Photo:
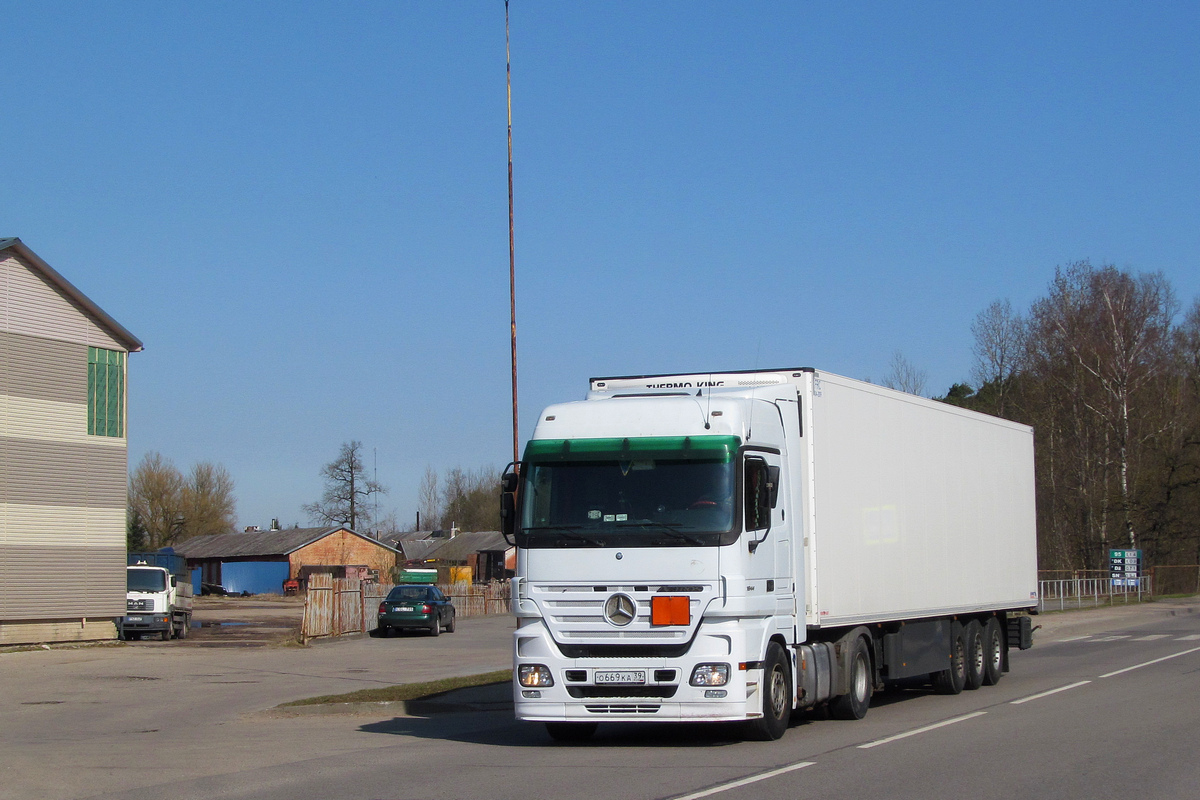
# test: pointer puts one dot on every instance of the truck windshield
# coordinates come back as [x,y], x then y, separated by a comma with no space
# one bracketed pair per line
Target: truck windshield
[654,496]
[145,580]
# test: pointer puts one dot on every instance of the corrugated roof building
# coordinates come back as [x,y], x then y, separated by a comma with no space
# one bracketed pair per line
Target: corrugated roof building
[260,561]
[63,456]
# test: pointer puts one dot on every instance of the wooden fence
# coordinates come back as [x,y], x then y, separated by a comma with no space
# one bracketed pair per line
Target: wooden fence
[337,606]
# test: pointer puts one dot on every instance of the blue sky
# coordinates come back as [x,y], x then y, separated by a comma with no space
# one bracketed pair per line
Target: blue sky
[301,208]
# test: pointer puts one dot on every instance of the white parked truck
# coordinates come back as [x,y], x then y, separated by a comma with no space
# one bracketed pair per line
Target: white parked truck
[741,545]
[158,597]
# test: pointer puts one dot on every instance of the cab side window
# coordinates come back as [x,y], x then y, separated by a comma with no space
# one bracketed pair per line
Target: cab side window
[756,500]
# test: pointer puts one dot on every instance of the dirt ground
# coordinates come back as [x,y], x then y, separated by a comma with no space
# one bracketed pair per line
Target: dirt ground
[244,621]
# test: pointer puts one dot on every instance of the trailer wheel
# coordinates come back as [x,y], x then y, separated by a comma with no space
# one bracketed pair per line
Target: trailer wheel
[993,651]
[570,732]
[776,691]
[975,663]
[952,679]
[855,704]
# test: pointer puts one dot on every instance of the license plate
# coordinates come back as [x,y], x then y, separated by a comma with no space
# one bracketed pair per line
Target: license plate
[134,619]
[403,608]
[621,676]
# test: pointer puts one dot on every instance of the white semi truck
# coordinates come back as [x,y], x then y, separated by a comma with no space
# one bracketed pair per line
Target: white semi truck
[741,545]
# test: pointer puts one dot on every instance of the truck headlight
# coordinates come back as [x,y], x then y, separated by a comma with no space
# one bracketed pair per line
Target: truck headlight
[534,675]
[710,675]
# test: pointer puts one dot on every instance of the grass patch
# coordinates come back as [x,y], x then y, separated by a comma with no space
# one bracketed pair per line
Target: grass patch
[407,691]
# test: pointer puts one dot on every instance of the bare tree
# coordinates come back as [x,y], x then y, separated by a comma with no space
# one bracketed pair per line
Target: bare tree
[1104,337]
[429,505]
[904,376]
[465,499]
[208,503]
[348,491]
[169,508]
[156,498]
[470,499]
[999,350]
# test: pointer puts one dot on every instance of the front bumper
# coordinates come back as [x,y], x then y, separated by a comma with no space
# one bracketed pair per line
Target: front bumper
[577,696]
[141,623]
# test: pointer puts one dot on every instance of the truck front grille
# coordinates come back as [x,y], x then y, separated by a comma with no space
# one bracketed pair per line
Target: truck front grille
[137,605]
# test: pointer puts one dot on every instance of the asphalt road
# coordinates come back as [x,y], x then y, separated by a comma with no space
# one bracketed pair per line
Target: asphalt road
[1106,705]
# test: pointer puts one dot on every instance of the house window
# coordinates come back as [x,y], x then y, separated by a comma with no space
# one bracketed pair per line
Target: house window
[106,392]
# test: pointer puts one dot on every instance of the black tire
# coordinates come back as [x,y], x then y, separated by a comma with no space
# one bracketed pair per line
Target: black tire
[975,657]
[183,629]
[952,679]
[855,704]
[570,732]
[776,691]
[166,635]
[435,627]
[450,627]
[993,652]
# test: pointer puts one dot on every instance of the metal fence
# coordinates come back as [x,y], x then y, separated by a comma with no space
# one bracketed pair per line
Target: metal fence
[1061,589]
[337,606]
[1082,592]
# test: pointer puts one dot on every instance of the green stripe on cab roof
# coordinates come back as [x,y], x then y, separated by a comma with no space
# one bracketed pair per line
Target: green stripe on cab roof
[722,448]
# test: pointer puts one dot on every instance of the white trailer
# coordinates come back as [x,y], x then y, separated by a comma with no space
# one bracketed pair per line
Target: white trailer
[739,545]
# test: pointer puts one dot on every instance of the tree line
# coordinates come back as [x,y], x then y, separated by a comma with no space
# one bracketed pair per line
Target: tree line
[166,506]
[1107,372]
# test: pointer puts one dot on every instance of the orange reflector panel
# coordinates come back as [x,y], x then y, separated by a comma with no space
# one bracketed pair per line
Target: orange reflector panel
[670,610]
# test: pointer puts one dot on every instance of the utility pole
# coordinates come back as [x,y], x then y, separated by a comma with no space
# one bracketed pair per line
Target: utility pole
[512,251]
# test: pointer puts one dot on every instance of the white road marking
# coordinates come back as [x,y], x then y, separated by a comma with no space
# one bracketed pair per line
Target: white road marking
[1046,694]
[762,776]
[1075,639]
[1148,663]
[1112,638]
[1191,638]
[934,726]
[1152,637]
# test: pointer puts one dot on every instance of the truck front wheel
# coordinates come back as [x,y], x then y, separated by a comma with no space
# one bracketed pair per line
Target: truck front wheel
[854,705]
[776,690]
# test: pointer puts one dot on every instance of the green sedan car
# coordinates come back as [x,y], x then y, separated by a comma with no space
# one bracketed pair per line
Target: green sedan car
[423,607]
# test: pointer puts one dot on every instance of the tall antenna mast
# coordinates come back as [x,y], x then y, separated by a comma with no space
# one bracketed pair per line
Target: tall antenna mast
[512,250]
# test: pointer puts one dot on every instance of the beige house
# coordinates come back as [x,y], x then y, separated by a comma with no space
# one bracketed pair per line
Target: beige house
[63,456]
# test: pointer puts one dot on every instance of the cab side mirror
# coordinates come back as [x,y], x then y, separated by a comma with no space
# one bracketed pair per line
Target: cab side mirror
[508,505]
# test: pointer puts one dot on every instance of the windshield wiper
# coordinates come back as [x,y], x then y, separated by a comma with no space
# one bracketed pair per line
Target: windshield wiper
[566,532]
[664,527]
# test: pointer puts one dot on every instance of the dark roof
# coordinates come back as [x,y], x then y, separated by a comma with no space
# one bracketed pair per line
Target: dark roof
[260,543]
[462,545]
[419,549]
[131,342]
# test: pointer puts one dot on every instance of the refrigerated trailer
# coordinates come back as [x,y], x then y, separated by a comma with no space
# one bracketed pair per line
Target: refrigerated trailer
[737,546]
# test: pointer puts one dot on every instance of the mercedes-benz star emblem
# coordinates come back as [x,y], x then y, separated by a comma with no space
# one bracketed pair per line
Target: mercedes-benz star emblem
[620,610]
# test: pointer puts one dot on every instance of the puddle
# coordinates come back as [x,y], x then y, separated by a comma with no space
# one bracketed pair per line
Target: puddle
[196,624]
